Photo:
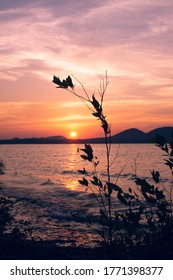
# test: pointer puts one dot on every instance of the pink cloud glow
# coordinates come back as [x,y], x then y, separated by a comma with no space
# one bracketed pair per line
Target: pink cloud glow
[130,39]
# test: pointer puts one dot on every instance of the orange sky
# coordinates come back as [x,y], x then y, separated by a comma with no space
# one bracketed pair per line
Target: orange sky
[131,39]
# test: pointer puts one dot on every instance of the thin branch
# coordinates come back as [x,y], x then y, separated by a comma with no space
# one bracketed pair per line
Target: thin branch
[120,172]
[88,98]
[116,156]
[103,87]
[83,99]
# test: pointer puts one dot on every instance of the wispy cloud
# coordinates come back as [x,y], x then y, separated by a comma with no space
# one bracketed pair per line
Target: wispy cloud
[41,118]
[131,39]
[69,37]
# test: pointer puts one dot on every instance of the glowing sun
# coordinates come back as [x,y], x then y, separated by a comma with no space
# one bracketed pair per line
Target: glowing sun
[73,134]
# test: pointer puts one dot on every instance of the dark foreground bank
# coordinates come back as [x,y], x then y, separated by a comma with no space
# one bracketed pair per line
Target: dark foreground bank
[47,250]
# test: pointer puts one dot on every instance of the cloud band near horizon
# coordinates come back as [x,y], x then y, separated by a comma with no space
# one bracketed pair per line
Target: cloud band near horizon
[130,39]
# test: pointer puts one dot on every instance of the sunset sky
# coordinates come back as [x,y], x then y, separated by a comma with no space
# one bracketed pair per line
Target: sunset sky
[131,39]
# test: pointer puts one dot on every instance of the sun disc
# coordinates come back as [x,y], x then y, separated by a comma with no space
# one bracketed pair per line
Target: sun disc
[73,134]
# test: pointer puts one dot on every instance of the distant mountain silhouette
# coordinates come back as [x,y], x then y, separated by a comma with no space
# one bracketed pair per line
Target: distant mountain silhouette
[34,140]
[59,137]
[165,131]
[131,135]
[134,135]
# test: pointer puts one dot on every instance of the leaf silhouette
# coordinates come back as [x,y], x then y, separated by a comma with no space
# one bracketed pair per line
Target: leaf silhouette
[114,187]
[155,175]
[84,157]
[95,103]
[159,194]
[63,84]
[97,182]
[105,126]
[83,171]
[150,199]
[69,81]
[169,163]
[95,114]
[57,81]
[89,153]
[83,182]
[122,199]
[145,186]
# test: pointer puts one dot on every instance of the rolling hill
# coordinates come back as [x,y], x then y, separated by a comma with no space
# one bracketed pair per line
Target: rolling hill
[132,135]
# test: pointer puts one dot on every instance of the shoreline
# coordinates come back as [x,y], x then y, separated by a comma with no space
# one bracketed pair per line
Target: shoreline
[14,246]
[47,250]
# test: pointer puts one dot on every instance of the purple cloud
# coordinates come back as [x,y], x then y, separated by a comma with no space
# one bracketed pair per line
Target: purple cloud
[132,39]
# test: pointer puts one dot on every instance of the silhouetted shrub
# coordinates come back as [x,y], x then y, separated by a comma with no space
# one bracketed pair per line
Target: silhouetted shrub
[2,167]
[5,216]
[9,228]
[145,226]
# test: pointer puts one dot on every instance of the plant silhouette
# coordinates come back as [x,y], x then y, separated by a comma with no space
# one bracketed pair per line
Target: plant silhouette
[146,223]
[16,230]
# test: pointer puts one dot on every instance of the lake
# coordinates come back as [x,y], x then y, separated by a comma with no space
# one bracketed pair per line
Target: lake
[45,178]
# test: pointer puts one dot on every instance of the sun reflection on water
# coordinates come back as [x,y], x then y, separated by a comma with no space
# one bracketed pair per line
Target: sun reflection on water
[72,185]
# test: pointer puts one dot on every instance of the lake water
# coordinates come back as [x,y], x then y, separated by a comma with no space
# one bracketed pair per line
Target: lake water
[56,205]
